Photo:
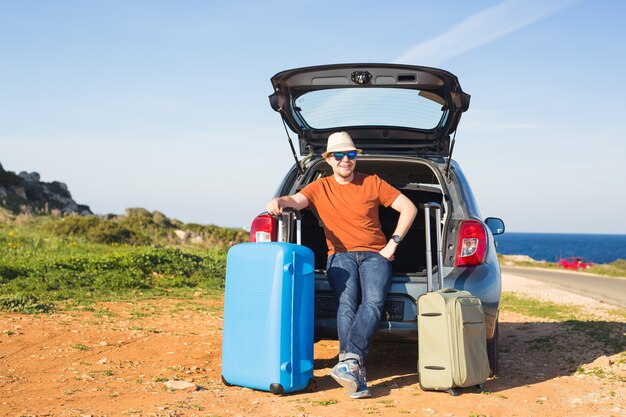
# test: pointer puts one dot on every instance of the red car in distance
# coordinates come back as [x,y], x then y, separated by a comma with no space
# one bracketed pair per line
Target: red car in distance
[574,262]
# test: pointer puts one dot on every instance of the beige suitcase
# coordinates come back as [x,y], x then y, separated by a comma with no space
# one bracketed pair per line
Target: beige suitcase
[452,351]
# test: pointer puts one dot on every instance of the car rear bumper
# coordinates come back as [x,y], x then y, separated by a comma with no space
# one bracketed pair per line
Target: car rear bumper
[399,321]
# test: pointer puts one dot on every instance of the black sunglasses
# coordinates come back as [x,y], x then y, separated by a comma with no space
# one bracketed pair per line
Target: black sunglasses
[339,155]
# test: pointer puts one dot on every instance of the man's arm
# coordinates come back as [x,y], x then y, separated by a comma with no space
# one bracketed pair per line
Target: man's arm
[407,211]
[297,201]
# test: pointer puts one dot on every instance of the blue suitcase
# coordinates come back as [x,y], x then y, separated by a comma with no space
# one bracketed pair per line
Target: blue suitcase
[267,338]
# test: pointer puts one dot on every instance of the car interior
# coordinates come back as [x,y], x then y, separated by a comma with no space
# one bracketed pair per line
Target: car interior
[417,182]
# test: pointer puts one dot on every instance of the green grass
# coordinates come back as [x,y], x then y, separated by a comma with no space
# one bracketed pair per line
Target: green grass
[606,335]
[46,264]
[80,346]
[324,403]
[543,343]
[613,269]
[601,373]
[192,305]
[533,307]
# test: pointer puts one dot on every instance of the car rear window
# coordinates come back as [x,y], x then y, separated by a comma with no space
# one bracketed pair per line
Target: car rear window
[393,107]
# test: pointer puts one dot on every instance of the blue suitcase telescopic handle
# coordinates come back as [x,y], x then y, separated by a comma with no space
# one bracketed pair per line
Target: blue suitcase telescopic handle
[288,212]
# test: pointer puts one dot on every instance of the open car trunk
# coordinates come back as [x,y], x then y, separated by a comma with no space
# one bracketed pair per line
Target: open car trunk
[418,182]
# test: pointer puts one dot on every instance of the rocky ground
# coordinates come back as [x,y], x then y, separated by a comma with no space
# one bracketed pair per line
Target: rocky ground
[162,358]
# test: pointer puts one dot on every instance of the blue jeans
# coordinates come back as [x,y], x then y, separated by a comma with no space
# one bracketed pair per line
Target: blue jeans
[360,282]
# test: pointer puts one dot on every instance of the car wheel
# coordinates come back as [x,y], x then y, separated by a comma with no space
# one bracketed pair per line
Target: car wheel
[492,352]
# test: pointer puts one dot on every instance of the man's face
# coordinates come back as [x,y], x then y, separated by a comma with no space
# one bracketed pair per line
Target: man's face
[341,164]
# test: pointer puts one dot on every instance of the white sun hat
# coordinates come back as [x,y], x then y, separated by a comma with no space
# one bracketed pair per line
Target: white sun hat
[339,142]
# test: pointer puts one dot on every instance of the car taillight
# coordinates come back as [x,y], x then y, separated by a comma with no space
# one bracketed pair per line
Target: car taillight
[472,244]
[263,229]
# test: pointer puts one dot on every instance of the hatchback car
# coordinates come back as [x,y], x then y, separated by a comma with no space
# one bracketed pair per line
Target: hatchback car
[575,263]
[403,118]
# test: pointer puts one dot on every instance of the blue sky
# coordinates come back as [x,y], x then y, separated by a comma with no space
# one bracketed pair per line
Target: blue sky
[163,104]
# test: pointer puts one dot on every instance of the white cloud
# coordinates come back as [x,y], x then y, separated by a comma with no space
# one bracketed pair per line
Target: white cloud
[482,28]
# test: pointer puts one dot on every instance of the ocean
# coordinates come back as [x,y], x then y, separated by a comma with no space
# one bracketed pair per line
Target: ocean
[553,246]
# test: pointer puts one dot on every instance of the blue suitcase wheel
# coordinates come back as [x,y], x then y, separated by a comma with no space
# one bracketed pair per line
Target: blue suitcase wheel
[277,389]
[225,382]
[312,385]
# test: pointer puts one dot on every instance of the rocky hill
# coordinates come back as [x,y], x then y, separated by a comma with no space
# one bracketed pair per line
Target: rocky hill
[25,193]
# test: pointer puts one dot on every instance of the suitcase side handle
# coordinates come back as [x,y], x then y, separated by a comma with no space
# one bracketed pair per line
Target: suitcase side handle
[288,212]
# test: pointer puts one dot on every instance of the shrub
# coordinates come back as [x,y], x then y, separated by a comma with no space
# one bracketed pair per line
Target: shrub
[112,232]
[219,236]
[20,303]
[160,219]
[78,226]
[88,271]
[90,258]
[615,269]
[98,230]
[112,280]
[9,272]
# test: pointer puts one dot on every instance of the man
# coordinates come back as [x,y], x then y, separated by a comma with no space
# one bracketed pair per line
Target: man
[359,255]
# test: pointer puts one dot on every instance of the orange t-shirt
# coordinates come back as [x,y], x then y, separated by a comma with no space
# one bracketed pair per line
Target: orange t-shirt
[349,212]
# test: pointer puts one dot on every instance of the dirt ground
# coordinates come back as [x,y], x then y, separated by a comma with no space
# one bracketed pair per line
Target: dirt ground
[121,359]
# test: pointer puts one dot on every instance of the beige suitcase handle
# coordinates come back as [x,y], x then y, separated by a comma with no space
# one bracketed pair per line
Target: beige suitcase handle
[429,261]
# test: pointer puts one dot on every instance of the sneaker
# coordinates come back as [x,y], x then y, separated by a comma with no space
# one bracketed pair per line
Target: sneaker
[361,390]
[346,373]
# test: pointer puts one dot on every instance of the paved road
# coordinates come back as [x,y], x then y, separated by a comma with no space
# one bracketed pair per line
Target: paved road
[609,290]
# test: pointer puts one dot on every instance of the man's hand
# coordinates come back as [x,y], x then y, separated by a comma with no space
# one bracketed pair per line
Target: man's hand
[407,211]
[274,207]
[389,250]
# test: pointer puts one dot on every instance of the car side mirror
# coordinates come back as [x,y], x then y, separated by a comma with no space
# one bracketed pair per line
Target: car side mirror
[495,224]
